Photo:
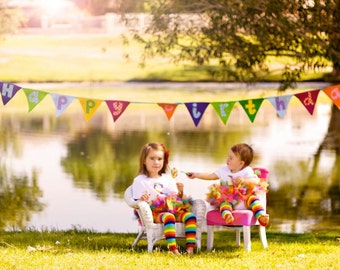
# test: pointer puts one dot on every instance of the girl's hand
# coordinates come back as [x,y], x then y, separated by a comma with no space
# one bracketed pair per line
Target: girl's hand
[145,197]
[190,175]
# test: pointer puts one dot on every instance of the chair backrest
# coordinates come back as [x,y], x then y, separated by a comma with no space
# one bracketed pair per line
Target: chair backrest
[263,174]
[128,197]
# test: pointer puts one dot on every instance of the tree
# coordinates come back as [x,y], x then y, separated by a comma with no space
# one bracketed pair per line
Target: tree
[236,40]
[10,18]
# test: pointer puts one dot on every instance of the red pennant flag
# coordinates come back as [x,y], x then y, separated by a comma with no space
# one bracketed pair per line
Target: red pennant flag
[116,107]
[333,92]
[169,109]
[308,99]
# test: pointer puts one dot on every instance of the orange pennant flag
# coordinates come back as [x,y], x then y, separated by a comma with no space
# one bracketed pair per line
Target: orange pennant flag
[333,92]
[89,106]
[169,108]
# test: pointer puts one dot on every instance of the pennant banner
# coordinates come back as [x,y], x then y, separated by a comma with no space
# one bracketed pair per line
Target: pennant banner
[280,104]
[34,97]
[169,109]
[196,109]
[251,107]
[8,91]
[116,108]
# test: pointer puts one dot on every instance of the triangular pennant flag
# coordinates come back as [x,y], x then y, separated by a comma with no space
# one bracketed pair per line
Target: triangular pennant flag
[116,108]
[308,99]
[34,97]
[196,110]
[8,91]
[89,106]
[280,104]
[333,92]
[223,109]
[169,109]
[251,107]
[61,102]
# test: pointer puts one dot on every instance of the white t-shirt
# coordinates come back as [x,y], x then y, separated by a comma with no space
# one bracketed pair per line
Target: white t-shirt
[225,175]
[160,186]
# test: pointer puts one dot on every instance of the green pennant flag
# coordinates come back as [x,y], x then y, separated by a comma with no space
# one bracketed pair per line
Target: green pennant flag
[34,97]
[223,109]
[251,107]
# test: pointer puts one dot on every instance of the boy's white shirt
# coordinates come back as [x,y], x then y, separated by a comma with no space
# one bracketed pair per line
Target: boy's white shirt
[160,186]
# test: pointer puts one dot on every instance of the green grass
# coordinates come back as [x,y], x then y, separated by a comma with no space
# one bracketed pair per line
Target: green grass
[76,249]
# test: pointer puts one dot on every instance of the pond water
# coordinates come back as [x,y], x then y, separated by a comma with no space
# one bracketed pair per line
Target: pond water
[65,172]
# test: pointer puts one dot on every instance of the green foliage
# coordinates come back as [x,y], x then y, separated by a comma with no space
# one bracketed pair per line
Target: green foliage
[239,37]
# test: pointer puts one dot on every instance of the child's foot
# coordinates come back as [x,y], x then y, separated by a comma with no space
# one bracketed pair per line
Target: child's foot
[190,251]
[229,218]
[176,252]
[264,219]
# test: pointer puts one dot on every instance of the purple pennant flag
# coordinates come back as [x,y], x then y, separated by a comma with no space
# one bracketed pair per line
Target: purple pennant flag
[8,91]
[196,110]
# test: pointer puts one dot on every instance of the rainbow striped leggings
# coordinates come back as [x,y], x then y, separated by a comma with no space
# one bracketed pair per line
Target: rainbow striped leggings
[253,203]
[169,220]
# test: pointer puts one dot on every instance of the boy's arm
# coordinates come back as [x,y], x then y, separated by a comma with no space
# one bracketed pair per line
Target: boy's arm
[247,181]
[203,176]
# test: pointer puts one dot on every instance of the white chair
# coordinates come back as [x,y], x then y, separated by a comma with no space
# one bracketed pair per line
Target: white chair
[153,232]
[243,221]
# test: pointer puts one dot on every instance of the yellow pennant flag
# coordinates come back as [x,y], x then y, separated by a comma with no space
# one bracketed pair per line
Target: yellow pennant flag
[89,106]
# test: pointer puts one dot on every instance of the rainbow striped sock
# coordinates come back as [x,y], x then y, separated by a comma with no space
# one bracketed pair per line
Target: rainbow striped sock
[189,220]
[169,230]
[256,206]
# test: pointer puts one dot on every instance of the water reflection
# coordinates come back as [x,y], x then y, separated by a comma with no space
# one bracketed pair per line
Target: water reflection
[80,170]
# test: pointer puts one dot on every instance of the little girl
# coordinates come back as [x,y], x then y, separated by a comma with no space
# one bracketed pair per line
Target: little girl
[160,191]
[237,173]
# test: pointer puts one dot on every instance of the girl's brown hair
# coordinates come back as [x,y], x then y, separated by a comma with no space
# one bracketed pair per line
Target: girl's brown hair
[144,153]
[244,152]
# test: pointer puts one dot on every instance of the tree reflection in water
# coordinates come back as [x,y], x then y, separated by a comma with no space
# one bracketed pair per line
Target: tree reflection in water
[19,194]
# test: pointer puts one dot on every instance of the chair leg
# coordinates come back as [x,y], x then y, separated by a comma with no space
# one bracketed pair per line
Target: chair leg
[263,236]
[246,238]
[139,236]
[238,236]
[151,240]
[210,237]
[198,238]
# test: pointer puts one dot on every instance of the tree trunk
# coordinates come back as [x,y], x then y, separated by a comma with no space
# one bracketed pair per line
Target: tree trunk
[332,138]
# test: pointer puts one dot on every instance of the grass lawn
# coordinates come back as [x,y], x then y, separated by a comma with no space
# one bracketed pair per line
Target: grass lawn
[93,58]
[76,249]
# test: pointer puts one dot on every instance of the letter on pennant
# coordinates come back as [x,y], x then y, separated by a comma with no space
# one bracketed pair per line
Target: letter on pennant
[280,104]
[169,109]
[89,106]
[116,107]
[251,107]
[61,102]
[8,91]
[196,110]
[223,109]
[34,97]
[308,99]
[333,92]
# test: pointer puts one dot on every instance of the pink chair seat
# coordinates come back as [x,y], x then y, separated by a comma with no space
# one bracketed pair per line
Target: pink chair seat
[241,218]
